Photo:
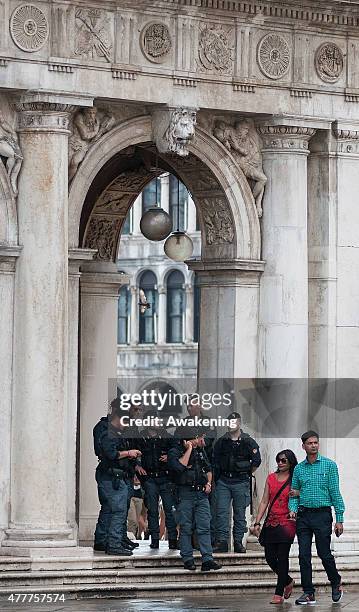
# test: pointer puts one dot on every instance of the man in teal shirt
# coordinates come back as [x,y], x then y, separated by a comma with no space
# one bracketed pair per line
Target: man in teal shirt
[315,489]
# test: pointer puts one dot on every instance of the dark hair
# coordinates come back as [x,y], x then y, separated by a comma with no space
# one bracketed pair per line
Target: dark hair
[309,434]
[116,409]
[292,459]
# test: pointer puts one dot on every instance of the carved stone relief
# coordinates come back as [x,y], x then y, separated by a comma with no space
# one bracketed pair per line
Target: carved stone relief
[218,221]
[10,151]
[286,137]
[29,28]
[274,55]
[88,126]
[102,234]
[243,141]
[329,62]
[215,50]
[174,129]
[156,42]
[93,38]
[117,196]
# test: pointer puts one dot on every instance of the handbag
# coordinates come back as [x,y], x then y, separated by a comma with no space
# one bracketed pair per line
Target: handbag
[262,535]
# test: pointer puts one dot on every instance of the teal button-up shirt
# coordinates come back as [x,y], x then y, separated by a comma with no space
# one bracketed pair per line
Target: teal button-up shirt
[318,484]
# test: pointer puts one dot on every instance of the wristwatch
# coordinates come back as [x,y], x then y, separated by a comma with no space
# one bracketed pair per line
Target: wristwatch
[255,524]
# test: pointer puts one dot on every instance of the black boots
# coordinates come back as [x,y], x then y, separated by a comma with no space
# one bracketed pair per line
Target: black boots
[173,544]
[207,566]
[189,565]
[221,547]
[239,548]
[154,543]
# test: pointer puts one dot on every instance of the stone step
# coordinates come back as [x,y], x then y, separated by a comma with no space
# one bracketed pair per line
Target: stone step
[204,584]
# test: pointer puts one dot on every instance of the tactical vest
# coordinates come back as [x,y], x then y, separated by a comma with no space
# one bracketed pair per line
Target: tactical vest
[152,449]
[106,464]
[196,475]
[235,458]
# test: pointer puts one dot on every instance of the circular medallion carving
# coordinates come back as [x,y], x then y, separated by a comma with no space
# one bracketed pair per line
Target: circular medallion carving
[214,50]
[329,62]
[156,42]
[29,28]
[273,56]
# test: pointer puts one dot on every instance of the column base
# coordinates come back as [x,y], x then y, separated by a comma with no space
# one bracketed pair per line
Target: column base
[38,542]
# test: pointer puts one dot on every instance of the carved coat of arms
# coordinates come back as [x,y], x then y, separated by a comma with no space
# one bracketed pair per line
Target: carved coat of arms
[92,34]
[215,52]
[156,42]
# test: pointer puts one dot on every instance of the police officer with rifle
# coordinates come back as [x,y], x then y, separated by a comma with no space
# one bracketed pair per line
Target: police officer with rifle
[116,468]
[235,457]
[192,474]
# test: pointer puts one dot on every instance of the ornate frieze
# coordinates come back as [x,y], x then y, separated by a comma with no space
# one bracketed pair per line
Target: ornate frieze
[284,137]
[347,140]
[102,234]
[215,49]
[219,225]
[329,62]
[274,56]
[243,141]
[174,129]
[29,27]
[43,116]
[92,34]
[156,42]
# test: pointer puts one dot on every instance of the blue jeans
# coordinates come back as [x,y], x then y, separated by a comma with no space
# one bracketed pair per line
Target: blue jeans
[111,523]
[154,489]
[194,512]
[239,494]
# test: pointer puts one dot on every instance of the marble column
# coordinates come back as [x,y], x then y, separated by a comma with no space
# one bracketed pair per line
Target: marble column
[137,214]
[8,257]
[283,316]
[228,318]
[162,315]
[188,314]
[39,437]
[100,283]
[165,192]
[134,316]
[191,216]
[76,258]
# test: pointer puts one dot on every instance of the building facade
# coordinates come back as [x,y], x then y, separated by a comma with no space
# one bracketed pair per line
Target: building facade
[254,108]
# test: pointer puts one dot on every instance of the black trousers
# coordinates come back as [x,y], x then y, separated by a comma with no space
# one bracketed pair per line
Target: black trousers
[318,524]
[277,557]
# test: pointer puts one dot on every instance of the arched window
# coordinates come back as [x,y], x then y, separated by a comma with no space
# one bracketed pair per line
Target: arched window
[175,306]
[124,308]
[149,194]
[196,308]
[148,320]
[174,183]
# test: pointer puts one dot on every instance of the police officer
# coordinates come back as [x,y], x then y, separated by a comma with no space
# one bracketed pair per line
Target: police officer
[235,456]
[192,473]
[154,445]
[114,471]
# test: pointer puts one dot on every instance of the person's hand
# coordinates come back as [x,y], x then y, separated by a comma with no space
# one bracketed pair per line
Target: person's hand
[187,444]
[294,493]
[292,515]
[255,530]
[140,470]
[163,458]
[134,453]
[208,488]
[338,529]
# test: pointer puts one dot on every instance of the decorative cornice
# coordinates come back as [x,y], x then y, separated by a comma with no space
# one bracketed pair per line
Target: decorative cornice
[347,139]
[286,137]
[42,111]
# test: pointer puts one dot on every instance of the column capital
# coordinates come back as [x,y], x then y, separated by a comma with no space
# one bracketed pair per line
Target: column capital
[102,279]
[286,138]
[43,111]
[8,257]
[347,138]
[234,272]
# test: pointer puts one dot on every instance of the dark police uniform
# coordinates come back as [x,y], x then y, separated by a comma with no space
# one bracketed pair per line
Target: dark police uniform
[233,463]
[193,505]
[157,483]
[112,477]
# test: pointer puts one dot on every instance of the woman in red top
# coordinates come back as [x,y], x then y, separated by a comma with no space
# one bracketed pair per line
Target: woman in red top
[280,529]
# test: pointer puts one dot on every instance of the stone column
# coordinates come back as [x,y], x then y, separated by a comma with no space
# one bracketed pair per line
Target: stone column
[76,258]
[137,214]
[134,316]
[165,193]
[283,318]
[39,438]
[188,314]
[8,256]
[191,220]
[100,283]
[162,315]
[228,317]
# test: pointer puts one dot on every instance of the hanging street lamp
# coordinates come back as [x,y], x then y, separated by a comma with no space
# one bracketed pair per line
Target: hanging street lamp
[156,223]
[179,245]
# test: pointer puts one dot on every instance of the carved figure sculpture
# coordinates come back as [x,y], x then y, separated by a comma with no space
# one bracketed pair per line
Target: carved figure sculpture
[244,143]
[87,129]
[181,130]
[9,148]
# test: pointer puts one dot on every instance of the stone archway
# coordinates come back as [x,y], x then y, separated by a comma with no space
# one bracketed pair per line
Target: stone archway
[113,173]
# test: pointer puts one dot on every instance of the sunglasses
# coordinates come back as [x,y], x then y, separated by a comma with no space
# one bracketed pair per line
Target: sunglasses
[282,460]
